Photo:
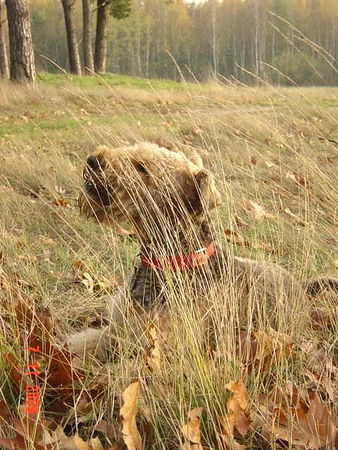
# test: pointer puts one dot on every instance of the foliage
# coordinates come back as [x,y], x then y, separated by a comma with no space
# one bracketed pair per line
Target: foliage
[248,41]
[120,9]
[297,68]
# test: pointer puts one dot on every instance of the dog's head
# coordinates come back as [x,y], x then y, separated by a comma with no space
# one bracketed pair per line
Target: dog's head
[144,182]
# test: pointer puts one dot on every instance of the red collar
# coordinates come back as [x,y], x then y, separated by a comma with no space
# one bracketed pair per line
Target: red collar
[181,262]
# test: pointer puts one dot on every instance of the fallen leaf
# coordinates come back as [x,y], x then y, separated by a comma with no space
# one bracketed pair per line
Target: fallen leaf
[191,431]
[235,238]
[240,222]
[63,202]
[79,264]
[270,164]
[296,219]
[95,444]
[298,179]
[123,232]
[257,210]
[30,430]
[302,420]
[131,435]
[73,442]
[238,407]
[153,353]
[259,349]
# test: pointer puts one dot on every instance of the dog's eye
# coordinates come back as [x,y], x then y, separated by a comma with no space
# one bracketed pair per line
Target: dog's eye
[140,167]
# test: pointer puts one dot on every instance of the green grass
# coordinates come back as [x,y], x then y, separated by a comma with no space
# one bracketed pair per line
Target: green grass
[261,144]
[109,80]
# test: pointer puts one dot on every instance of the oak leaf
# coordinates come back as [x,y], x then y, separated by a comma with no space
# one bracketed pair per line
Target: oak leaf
[191,431]
[302,420]
[153,353]
[237,406]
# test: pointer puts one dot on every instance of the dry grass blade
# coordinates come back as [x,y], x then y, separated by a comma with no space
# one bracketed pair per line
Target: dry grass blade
[191,431]
[131,435]
[257,210]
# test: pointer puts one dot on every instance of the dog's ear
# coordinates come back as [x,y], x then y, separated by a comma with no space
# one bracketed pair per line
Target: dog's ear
[199,192]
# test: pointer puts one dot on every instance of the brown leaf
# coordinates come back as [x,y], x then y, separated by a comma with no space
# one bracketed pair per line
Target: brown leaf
[131,435]
[238,406]
[191,431]
[235,238]
[79,264]
[30,431]
[63,202]
[297,178]
[15,374]
[72,443]
[299,420]
[123,232]
[5,412]
[230,444]
[259,350]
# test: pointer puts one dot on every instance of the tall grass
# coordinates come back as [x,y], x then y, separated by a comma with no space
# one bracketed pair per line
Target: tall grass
[274,146]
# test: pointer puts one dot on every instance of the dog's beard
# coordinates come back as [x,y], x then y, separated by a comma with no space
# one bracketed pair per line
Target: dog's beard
[93,205]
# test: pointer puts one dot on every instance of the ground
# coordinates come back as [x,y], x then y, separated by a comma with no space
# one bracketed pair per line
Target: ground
[274,152]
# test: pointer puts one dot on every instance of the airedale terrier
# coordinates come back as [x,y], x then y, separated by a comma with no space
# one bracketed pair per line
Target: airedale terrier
[168,199]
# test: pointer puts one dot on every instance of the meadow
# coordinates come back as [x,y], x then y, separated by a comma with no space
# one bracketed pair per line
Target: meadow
[274,152]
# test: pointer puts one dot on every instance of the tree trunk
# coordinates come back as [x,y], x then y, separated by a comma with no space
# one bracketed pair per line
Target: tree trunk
[101,36]
[88,59]
[22,67]
[73,49]
[4,69]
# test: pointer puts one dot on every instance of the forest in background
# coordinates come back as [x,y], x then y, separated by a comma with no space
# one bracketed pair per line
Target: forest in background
[279,41]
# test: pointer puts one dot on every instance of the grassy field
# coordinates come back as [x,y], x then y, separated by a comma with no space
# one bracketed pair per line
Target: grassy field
[274,152]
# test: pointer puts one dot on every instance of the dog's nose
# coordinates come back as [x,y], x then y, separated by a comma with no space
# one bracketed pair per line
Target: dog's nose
[93,162]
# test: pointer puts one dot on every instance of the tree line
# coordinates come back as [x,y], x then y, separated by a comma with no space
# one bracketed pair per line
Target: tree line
[278,41]
[21,49]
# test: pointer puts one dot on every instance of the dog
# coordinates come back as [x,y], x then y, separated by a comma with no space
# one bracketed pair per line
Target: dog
[168,199]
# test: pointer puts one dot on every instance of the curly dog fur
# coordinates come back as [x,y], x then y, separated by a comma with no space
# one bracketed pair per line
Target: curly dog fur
[168,199]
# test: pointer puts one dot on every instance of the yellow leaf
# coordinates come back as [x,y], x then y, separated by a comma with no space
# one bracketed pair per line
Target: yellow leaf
[131,435]
[153,353]
[191,431]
